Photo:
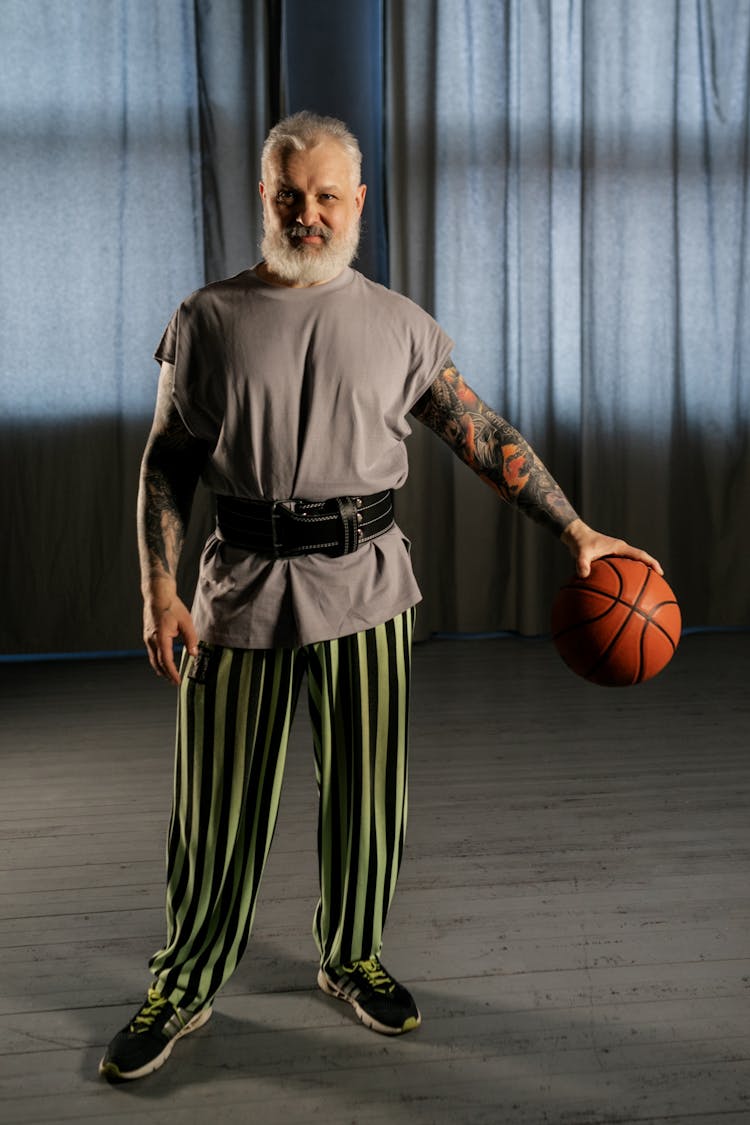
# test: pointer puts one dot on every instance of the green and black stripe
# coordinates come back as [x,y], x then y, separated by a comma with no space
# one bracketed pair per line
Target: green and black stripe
[235,713]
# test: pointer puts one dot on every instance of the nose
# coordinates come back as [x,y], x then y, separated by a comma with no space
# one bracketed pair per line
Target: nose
[307,213]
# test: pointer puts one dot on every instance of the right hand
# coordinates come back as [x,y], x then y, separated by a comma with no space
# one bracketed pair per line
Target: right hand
[165,619]
[587,545]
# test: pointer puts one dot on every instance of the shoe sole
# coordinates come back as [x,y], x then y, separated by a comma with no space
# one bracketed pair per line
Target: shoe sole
[325,984]
[112,1072]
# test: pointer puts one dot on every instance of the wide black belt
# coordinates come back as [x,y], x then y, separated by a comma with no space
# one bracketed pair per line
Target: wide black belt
[281,528]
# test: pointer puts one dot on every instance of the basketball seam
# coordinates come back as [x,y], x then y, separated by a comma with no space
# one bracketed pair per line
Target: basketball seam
[657,624]
[633,607]
[614,600]
[633,629]
[603,656]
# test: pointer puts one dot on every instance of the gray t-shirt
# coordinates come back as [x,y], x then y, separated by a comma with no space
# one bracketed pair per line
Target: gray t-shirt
[301,393]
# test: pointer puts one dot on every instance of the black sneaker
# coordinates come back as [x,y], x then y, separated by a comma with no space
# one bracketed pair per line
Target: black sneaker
[147,1042]
[380,1001]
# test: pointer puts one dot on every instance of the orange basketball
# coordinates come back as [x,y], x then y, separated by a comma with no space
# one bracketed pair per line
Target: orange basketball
[619,626]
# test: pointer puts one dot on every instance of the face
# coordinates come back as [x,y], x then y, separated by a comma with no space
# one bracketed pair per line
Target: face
[311,210]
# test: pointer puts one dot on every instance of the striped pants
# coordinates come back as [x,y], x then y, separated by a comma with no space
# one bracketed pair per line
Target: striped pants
[235,711]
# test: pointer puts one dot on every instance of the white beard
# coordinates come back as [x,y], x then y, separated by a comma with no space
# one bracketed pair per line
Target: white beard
[297,263]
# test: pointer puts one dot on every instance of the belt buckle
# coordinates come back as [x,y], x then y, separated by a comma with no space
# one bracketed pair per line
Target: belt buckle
[288,517]
[350,513]
[348,509]
[276,544]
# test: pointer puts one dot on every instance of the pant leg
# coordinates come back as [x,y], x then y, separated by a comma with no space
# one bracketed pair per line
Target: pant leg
[359,706]
[234,715]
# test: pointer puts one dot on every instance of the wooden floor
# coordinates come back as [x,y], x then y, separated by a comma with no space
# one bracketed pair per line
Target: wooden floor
[573,913]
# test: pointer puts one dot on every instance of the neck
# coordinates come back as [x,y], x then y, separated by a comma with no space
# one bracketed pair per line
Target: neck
[265,273]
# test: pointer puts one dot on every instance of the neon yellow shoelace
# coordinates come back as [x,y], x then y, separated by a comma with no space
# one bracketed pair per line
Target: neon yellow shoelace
[149,1011]
[376,975]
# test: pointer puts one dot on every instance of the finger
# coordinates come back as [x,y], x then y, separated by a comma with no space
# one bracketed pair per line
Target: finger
[161,651]
[627,551]
[583,567]
[653,563]
[189,636]
[166,657]
[153,655]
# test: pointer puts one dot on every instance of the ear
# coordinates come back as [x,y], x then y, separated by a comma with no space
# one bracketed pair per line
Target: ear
[359,197]
[262,190]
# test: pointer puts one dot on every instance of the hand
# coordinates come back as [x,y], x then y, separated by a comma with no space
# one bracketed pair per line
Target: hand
[586,545]
[165,618]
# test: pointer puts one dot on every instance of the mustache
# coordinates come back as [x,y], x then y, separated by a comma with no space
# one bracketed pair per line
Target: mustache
[296,230]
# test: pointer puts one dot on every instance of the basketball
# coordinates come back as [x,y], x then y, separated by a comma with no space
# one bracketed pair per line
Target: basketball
[619,626]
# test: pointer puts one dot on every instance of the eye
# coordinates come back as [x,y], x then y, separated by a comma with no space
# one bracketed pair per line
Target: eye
[327,196]
[286,195]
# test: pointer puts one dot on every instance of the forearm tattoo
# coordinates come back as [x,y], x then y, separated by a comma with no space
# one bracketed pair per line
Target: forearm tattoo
[163,525]
[169,474]
[493,449]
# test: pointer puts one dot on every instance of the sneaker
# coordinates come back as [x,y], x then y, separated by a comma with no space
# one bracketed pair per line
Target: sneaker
[380,1001]
[147,1042]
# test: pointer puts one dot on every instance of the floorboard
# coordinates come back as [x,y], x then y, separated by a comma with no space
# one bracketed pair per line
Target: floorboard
[573,912]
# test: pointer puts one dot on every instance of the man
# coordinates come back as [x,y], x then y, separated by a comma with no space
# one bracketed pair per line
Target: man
[287,390]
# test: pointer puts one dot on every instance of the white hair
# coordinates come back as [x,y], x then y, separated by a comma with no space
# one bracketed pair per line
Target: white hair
[304,130]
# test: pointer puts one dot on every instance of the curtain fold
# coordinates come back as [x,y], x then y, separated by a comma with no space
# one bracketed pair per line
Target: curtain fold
[332,64]
[130,135]
[564,185]
[232,62]
[568,188]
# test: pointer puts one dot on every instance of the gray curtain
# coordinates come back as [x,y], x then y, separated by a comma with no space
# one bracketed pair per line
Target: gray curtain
[568,194]
[128,177]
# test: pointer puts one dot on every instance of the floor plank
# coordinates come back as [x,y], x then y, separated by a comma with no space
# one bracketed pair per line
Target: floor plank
[573,912]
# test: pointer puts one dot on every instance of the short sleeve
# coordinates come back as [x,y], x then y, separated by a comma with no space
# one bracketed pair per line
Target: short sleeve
[431,350]
[167,349]
[193,346]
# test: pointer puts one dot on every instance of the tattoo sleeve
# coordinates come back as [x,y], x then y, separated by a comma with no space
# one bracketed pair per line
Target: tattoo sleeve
[493,449]
[170,469]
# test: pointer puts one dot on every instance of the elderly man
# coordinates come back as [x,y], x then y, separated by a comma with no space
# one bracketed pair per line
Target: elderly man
[287,389]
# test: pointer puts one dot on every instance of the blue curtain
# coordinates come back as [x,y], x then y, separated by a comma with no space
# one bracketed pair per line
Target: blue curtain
[568,186]
[130,133]
[564,183]
[101,200]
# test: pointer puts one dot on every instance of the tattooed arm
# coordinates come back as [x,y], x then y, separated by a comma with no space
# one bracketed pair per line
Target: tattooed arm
[493,449]
[506,462]
[170,469]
